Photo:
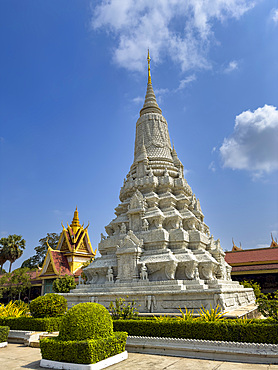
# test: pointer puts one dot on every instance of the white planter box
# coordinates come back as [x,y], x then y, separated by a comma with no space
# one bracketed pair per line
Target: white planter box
[98,366]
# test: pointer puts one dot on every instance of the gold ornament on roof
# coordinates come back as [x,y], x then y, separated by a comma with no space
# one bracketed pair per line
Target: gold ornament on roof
[75,225]
[149,68]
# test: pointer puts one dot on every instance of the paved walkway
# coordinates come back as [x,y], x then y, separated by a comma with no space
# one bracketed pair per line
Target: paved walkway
[17,356]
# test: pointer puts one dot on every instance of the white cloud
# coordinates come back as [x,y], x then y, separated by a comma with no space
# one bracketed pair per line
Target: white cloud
[253,146]
[274,15]
[181,28]
[186,81]
[262,245]
[212,166]
[138,100]
[161,91]
[233,65]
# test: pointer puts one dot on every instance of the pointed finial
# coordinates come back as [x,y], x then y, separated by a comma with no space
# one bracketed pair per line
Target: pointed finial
[150,104]
[75,225]
[149,68]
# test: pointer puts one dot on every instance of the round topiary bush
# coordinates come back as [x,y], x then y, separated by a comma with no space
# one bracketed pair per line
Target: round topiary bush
[86,321]
[49,305]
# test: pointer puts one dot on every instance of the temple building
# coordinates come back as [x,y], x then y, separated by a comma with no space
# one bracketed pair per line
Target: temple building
[158,250]
[73,250]
[258,264]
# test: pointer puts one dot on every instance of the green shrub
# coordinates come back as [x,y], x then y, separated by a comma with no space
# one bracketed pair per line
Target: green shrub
[4,332]
[122,310]
[86,336]
[86,321]
[214,314]
[49,324]
[252,284]
[49,305]
[268,305]
[187,315]
[64,284]
[87,351]
[226,330]
[14,309]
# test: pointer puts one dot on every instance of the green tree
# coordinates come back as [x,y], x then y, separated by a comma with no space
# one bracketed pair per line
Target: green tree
[51,239]
[3,258]
[12,247]
[15,283]
[64,284]
[252,284]
[268,305]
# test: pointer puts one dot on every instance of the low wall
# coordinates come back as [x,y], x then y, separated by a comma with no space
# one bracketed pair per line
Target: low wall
[204,349]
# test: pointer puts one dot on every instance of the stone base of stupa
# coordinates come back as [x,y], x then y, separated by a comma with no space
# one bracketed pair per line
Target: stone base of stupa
[167,296]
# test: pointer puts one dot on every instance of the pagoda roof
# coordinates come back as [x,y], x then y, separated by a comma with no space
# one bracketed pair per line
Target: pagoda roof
[60,263]
[269,266]
[252,256]
[55,263]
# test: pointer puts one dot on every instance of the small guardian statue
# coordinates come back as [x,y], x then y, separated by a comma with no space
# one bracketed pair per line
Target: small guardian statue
[109,275]
[145,225]
[144,272]
[123,228]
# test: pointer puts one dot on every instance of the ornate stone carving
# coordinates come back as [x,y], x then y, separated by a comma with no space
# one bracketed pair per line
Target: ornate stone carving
[219,300]
[123,228]
[206,271]
[191,270]
[145,226]
[110,276]
[150,303]
[144,272]
[94,299]
[170,269]
[80,280]
[228,271]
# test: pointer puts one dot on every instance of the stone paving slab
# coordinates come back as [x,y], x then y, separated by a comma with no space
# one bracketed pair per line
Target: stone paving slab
[17,356]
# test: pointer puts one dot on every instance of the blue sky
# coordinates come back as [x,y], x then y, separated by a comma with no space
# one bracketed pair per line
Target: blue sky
[73,78]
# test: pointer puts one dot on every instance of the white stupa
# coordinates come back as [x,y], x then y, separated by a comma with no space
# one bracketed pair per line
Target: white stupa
[158,250]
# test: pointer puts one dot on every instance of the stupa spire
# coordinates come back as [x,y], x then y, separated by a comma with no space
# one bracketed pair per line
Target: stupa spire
[75,224]
[149,68]
[150,104]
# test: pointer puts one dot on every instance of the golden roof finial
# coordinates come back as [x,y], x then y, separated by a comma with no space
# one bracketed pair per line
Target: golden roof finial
[149,68]
[75,225]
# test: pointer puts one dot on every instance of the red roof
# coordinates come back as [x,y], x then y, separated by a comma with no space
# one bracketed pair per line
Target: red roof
[271,266]
[248,256]
[60,262]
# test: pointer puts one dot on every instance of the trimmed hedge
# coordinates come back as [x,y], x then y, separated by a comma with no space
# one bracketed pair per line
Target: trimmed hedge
[33,324]
[86,336]
[87,351]
[49,305]
[226,330]
[86,321]
[4,332]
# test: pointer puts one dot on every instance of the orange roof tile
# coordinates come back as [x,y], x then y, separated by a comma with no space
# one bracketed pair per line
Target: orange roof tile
[60,262]
[271,266]
[251,256]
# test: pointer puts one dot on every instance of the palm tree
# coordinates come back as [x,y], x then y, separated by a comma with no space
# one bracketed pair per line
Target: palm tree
[12,248]
[3,258]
